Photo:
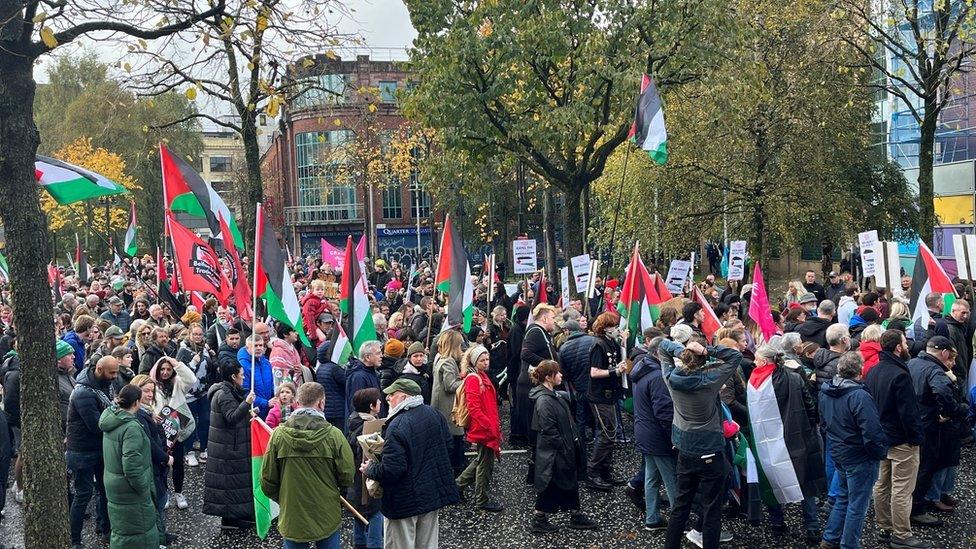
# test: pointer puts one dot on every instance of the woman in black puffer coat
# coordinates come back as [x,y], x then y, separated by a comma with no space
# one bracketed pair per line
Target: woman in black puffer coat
[227,481]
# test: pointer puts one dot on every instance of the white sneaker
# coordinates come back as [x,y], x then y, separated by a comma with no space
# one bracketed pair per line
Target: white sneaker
[191,459]
[694,536]
[202,456]
[180,501]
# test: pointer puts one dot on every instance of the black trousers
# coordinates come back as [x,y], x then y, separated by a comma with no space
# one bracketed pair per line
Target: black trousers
[707,476]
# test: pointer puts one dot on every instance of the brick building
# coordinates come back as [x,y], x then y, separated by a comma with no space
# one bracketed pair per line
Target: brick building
[312,169]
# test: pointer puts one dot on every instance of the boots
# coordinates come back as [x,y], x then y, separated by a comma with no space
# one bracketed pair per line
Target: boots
[541,524]
[579,521]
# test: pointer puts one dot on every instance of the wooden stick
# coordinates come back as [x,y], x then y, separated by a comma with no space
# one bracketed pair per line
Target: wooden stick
[353,510]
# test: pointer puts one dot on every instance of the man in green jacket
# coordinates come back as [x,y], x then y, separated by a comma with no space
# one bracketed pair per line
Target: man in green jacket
[307,462]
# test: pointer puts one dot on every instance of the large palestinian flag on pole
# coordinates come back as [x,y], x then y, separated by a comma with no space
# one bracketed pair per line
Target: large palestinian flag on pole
[356,312]
[81,262]
[454,278]
[272,281]
[782,467]
[130,247]
[928,277]
[235,274]
[648,131]
[67,183]
[265,509]
[4,269]
[637,307]
[185,191]
[340,349]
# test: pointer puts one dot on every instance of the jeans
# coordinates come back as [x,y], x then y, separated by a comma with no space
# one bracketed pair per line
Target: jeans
[479,472]
[658,470]
[943,483]
[846,519]
[162,497]
[200,408]
[86,476]
[697,474]
[372,535]
[601,455]
[833,479]
[811,517]
[331,542]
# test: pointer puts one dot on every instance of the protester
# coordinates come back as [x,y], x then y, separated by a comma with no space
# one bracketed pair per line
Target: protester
[285,405]
[607,366]
[286,361]
[332,377]
[173,380]
[414,469]
[361,373]
[366,403]
[448,375]
[536,346]
[415,369]
[306,464]
[161,460]
[129,484]
[258,377]
[815,327]
[193,350]
[483,429]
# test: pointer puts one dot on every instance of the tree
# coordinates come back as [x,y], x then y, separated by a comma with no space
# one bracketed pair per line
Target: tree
[552,82]
[919,50]
[236,65]
[27,33]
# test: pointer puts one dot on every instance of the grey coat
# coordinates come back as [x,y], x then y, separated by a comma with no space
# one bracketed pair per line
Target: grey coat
[447,379]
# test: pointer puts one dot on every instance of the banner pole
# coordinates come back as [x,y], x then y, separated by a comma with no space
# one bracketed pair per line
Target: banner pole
[259,224]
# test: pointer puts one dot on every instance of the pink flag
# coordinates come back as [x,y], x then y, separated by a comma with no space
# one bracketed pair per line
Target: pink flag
[759,305]
[337,256]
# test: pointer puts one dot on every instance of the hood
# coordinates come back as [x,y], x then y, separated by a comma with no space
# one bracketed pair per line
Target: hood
[10,354]
[355,364]
[845,299]
[304,433]
[812,325]
[643,367]
[857,321]
[227,349]
[239,391]
[114,417]
[282,345]
[823,357]
[310,297]
[72,336]
[538,391]
[839,387]
[870,349]
[953,322]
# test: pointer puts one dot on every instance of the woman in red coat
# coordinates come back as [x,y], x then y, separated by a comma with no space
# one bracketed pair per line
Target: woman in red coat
[484,429]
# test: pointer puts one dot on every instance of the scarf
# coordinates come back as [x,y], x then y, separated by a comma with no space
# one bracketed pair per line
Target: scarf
[406,404]
[409,369]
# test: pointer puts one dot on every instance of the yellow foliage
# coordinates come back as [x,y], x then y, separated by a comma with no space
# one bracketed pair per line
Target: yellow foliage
[47,36]
[91,215]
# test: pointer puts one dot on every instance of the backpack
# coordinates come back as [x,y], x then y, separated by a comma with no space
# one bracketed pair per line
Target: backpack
[460,414]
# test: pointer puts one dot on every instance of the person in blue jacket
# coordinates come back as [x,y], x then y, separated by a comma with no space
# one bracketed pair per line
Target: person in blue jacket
[264,387]
[361,373]
[78,337]
[857,444]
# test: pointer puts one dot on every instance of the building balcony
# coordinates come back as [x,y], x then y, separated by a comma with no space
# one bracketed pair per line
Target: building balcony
[325,214]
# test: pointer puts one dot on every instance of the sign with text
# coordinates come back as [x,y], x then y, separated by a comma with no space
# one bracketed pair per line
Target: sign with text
[524,256]
[868,241]
[581,271]
[737,259]
[564,285]
[677,275]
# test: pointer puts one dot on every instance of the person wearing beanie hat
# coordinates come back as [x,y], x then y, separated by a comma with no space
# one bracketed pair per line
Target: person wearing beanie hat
[191,317]
[387,370]
[484,428]
[393,348]
[681,333]
[414,368]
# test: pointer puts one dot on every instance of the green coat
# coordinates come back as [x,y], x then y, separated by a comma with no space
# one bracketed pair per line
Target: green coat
[307,462]
[128,480]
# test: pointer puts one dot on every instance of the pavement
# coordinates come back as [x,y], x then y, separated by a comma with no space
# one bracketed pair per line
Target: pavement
[463,526]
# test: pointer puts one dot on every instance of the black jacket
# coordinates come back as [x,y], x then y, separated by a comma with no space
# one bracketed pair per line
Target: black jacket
[605,355]
[934,391]
[815,330]
[653,408]
[890,383]
[817,290]
[157,447]
[355,492]
[574,358]
[10,380]
[825,365]
[962,341]
[152,354]
[559,456]
[88,400]
[415,469]
[227,480]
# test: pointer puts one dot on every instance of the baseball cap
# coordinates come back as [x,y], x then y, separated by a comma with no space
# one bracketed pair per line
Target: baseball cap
[325,317]
[113,331]
[403,385]
[939,343]
[833,274]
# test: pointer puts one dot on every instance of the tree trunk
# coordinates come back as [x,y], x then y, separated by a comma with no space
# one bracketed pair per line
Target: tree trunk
[586,221]
[926,186]
[549,233]
[255,188]
[45,518]
[573,240]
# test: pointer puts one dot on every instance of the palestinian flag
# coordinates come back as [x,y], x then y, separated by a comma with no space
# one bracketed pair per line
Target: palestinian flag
[272,281]
[782,467]
[648,131]
[353,301]
[454,278]
[636,307]
[196,262]
[81,262]
[265,510]
[928,277]
[67,183]
[711,323]
[661,289]
[185,191]
[4,269]
[129,247]
[340,349]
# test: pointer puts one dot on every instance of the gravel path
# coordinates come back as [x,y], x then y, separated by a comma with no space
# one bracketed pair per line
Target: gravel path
[464,527]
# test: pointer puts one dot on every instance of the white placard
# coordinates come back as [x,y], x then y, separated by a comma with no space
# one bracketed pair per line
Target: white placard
[511,289]
[581,271]
[564,285]
[677,275]
[959,250]
[591,283]
[524,256]
[869,251]
[971,251]
[887,273]
[737,259]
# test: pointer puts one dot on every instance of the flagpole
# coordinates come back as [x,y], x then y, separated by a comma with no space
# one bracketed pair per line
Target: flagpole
[616,214]
[259,224]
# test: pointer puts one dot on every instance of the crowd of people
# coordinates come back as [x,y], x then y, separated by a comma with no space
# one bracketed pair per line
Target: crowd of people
[849,402]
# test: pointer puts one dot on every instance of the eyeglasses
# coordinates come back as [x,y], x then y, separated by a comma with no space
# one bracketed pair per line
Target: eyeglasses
[144,333]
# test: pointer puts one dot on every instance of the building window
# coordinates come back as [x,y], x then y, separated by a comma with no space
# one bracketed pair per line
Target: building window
[388,90]
[419,201]
[221,164]
[322,194]
[392,199]
[322,90]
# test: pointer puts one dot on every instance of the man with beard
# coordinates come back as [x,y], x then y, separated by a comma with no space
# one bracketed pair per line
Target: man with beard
[890,384]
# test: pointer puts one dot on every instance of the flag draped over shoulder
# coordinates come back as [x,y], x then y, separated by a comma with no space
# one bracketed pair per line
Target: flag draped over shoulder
[272,281]
[759,309]
[454,278]
[265,510]
[928,277]
[196,262]
[67,183]
[353,302]
[129,247]
[648,131]
[769,428]
[711,323]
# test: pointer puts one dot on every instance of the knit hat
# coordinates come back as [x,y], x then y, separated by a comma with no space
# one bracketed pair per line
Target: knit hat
[415,347]
[394,348]
[324,353]
[808,298]
[403,385]
[475,351]
[681,333]
[63,349]
[191,317]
